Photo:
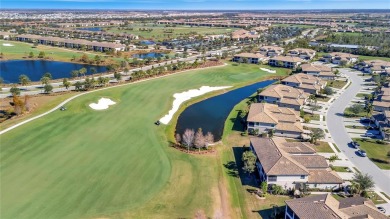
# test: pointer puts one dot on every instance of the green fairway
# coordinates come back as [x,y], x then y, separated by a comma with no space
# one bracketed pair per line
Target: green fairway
[82,163]
[159,32]
[19,50]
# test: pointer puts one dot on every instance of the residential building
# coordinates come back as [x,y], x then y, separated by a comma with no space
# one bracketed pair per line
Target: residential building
[382,103]
[244,35]
[302,53]
[271,50]
[284,96]
[373,66]
[325,206]
[338,58]
[285,61]
[306,82]
[321,71]
[290,163]
[382,120]
[71,43]
[283,121]
[253,58]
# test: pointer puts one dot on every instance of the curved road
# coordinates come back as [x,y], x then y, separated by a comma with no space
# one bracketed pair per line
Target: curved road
[340,136]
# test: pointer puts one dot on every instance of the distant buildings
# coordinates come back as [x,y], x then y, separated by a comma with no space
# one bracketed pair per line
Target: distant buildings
[338,58]
[373,66]
[285,61]
[325,206]
[244,35]
[290,163]
[253,58]
[71,43]
[305,54]
[271,50]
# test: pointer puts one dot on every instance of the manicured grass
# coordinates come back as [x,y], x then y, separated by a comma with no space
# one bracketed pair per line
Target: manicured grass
[43,104]
[114,163]
[158,31]
[324,99]
[243,203]
[361,95]
[376,198]
[20,50]
[315,117]
[337,84]
[337,148]
[323,147]
[388,197]
[340,169]
[356,127]
[348,113]
[376,152]
[374,57]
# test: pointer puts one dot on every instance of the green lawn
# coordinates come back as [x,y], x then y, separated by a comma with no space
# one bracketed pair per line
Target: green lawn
[337,84]
[243,203]
[159,31]
[374,57]
[323,147]
[376,152]
[349,113]
[19,50]
[340,169]
[115,163]
[315,117]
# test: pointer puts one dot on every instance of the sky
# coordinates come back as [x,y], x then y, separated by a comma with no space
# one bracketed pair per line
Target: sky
[196,4]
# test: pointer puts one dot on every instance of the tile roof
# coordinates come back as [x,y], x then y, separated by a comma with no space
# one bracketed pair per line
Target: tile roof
[276,161]
[287,59]
[318,68]
[327,207]
[284,91]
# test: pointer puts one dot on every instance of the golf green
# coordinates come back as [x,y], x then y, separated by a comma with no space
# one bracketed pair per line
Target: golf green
[82,163]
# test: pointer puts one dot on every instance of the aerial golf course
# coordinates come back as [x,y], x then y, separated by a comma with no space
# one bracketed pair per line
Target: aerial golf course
[114,163]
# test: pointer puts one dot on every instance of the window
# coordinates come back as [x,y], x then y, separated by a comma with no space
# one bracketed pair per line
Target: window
[272,178]
[302,176]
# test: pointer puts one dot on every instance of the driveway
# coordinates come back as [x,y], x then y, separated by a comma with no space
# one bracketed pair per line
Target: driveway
[341,137]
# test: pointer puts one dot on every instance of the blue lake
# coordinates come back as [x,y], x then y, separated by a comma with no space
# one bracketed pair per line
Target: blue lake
[147,42]
[91,28]
[34,69]
[210,114]
[148,55]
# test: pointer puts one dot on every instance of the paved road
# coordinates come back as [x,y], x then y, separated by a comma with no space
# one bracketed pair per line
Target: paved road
[340,136]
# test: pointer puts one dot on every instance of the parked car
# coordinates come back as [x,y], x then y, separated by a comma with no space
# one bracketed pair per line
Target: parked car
[364,120]
[355,145]
[370,135]
[382,209]
[362,153]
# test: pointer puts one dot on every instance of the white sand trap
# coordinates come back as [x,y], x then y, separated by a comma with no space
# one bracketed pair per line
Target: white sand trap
[268,70]
[102,104]
[7,44]
[184,96]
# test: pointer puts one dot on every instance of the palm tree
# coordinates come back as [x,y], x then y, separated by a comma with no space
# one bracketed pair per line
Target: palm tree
[24,80]
[364,181]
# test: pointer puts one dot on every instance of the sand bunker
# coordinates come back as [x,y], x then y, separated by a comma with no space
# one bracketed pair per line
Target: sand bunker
[7,44]
[184,96]
[102,104]
[268,70]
